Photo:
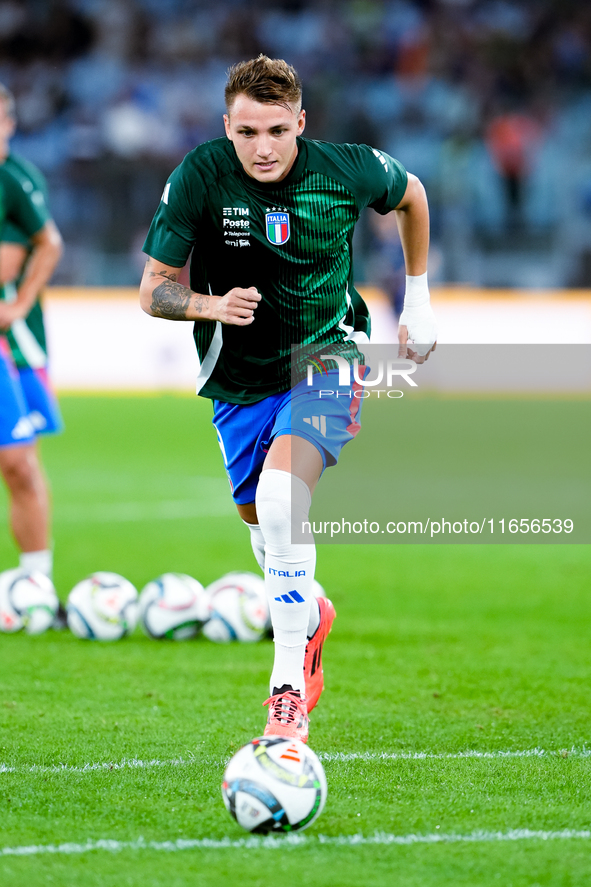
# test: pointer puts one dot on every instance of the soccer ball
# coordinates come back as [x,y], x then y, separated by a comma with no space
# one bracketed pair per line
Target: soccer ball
[102,607]
[27,600]
[238,609]
[173,606]
[274,784]
[317,589]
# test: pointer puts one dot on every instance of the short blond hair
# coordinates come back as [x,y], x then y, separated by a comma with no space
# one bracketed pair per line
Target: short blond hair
[265,80]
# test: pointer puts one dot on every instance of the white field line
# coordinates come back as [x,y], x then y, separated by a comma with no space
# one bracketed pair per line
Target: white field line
[327,757]
[331,757]
[282,843]
[125,764]
[130,512]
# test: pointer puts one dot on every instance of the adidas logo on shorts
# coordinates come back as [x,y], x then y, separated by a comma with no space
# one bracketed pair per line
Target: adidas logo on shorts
[23,428]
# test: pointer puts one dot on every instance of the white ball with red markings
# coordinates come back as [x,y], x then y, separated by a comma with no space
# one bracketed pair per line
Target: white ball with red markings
[103,607]
[173,606]
[27,600]
[238,608]
[274,784]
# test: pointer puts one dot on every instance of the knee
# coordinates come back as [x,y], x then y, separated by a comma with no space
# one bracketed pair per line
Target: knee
[19,470]
[280,498]
[273,501]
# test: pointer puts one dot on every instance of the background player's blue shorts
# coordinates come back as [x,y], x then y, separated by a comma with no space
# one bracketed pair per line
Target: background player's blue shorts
[42,404]
[324,414]
[28,406]
[16,428]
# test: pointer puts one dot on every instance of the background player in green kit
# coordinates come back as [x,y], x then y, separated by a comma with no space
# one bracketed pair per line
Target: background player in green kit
[268,217]
[30,247]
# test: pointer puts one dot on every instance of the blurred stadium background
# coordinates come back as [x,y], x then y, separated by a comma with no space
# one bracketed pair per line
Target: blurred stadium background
[487,101]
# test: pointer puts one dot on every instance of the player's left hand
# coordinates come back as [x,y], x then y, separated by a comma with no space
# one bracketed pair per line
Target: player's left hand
[406,350]
[417,326]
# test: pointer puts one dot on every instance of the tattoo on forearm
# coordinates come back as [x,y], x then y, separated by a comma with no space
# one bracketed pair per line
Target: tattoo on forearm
[201,303]
[171,300]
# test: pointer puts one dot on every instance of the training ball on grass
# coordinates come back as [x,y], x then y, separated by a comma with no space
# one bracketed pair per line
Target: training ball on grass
[238,609]
[317,589]
[173,606]
[27,600]
[103,607]
[274,784]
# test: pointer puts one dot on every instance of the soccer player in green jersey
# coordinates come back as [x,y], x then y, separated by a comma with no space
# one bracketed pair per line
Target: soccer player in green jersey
[267,217]
[30,247]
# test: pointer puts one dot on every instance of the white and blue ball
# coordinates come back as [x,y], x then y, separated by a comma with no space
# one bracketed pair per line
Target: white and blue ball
[238,608]
[274,784]
[103,607]
[27,601]
[173,606]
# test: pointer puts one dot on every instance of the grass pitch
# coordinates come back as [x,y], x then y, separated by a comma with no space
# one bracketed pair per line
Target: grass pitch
[453,728]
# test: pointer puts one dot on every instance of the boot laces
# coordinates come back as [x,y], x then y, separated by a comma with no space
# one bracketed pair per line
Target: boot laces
[286,707]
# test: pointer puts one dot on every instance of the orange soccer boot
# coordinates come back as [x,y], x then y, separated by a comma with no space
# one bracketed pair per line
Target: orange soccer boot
[288,714]
[313,659]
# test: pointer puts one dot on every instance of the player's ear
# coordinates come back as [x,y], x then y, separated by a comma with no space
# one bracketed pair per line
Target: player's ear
[301,122]
[227,125]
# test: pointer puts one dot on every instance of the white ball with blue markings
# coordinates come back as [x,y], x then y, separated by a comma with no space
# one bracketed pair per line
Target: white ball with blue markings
[103,607]
[238,608]
[173,606]
[274,785]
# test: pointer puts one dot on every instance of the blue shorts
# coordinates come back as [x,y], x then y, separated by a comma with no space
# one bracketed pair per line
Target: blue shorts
[323,413]
[16,429]
[27,405]
[44,411]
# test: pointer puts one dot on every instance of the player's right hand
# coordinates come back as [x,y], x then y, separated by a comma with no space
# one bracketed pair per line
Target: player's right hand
[9,312]
[237,307]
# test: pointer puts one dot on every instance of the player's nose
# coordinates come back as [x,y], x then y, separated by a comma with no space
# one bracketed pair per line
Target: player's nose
[264,148]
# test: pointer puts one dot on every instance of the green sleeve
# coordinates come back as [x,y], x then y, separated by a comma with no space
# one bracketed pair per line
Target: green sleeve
[373,177]
[11,233]
[380,181]
[174,228]
[26,209]
[388,182]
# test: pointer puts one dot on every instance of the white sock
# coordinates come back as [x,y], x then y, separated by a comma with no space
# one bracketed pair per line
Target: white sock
[289,571]
[40,561]
[257,542]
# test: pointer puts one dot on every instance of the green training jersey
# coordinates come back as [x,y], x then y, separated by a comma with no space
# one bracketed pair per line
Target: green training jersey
[26,337]
[292,240]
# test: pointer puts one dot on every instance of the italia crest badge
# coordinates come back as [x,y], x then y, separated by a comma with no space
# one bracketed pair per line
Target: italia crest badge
[277,225]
